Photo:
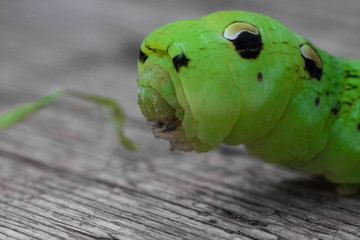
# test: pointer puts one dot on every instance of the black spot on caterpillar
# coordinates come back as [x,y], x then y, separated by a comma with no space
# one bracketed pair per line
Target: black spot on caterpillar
[349,74]
[350,87]
[313,63]
[180,61]
[248,45]
[246,38]
[142,57]
[312,69]
[335,110]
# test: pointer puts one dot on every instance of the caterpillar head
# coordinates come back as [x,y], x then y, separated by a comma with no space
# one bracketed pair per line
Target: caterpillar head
[224,78]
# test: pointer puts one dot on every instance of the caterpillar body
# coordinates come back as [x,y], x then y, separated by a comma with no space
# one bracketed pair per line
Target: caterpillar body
[238,77]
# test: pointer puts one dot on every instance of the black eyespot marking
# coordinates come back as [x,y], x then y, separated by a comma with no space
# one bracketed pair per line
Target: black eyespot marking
[246,38]
[313,63]
[142,57]
[180,61]
[358,127]
[248,45]
[335,110]
[312,69]
[260,77]
[317,101]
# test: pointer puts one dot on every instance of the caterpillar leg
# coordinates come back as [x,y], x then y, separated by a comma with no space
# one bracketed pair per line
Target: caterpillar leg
[117,116]
[348,189]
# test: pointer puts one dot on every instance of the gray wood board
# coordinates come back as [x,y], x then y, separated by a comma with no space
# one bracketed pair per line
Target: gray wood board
[63,174]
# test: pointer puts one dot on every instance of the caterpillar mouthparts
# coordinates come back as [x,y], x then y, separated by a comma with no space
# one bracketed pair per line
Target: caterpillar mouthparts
[162,120]
[160,115]
[173,132]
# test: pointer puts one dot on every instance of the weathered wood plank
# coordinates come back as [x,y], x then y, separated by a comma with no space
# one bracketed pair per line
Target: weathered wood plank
[63,174]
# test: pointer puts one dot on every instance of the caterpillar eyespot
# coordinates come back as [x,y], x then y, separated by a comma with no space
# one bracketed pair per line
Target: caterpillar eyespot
[235,29]
[246,39]
[253,81]
[313,63]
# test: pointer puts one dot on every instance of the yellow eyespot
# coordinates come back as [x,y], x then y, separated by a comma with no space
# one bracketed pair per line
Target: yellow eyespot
[309,53]
[236,28]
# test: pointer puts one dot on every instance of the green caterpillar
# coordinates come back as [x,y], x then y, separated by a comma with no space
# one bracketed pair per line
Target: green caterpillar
[238,77]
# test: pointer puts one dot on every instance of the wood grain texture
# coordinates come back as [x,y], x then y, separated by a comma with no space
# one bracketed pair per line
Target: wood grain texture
[63,174]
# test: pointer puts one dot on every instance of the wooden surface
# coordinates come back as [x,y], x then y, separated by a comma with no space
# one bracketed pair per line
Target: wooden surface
[63,174]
